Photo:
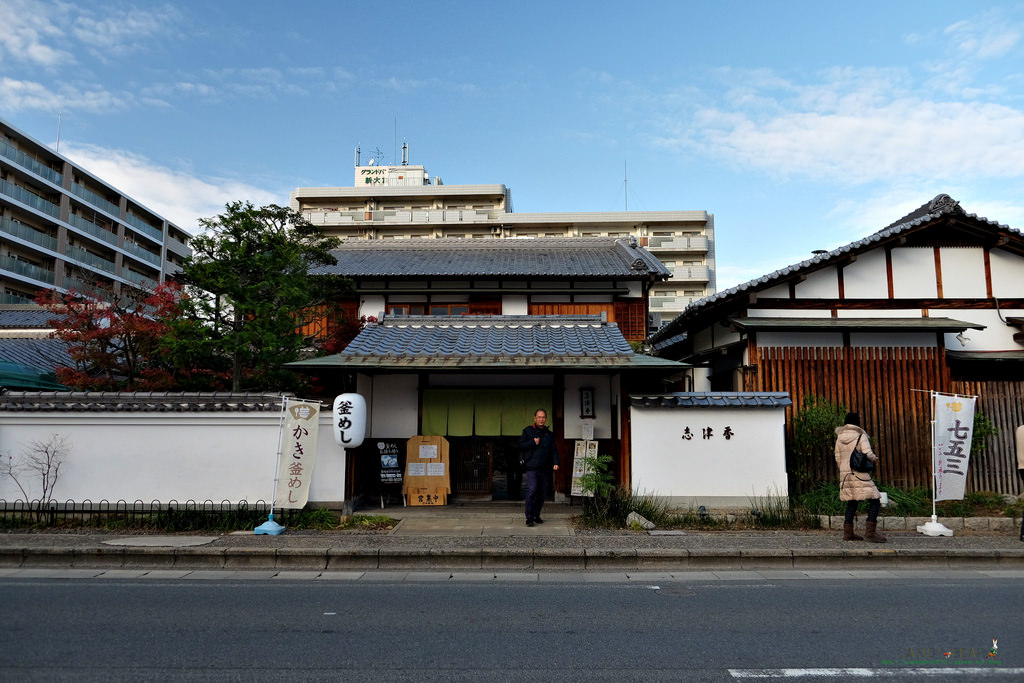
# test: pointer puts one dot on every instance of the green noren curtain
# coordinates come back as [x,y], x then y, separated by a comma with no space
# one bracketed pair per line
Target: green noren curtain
[481,412]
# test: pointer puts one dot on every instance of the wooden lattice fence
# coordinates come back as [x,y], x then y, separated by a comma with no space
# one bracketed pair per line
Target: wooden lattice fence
[889,388]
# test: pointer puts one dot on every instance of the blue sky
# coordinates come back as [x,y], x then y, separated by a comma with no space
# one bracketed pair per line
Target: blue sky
[800,125]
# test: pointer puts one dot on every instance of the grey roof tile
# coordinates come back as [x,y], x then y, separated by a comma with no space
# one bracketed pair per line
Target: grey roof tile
[581,257]
[43,354]
[157,401]
[711,399]
[24,317]
[494,336]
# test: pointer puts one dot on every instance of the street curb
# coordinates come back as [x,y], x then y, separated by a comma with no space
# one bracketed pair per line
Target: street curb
[538,559]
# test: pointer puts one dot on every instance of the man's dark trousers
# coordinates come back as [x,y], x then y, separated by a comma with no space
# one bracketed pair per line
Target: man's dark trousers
[537,483]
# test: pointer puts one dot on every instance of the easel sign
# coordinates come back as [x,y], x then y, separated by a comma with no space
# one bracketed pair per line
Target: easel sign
[583,451]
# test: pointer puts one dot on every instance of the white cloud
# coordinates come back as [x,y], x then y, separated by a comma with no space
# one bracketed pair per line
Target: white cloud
[181,197]
[123,31]
[29,28]
[986,37]
[852,134]
[18,95]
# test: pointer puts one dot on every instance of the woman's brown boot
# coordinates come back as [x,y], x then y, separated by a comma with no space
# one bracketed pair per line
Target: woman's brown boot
[872,535]
[848,534]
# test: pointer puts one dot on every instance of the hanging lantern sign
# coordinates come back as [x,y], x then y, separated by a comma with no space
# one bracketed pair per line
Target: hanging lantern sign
[349,420]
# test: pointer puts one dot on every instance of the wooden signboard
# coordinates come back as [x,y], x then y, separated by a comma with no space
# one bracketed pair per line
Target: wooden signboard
[427,475]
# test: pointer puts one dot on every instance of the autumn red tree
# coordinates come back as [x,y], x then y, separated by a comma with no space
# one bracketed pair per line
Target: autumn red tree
[118,340]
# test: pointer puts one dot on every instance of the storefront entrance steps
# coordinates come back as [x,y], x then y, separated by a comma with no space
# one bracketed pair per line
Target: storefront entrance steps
[478,519]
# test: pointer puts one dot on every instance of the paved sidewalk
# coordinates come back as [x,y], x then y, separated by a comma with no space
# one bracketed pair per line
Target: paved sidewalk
[494,537]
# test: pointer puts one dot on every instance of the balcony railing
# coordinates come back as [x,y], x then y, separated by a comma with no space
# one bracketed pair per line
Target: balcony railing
[29,198]
[13,265]
[28,234]
[140,279]
[96,200]
[691,273]
[85,256]
[404,216]
[678,244]
[93,229]
[30,163]
[136,222]
[136,250]
[87,288]
[671,303]
[10,298]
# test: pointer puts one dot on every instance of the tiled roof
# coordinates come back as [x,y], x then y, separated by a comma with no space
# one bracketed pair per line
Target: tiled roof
[454,342]
[42,354]
[581,257]
[710,399]
[24,317]
[939,206]
[135,402]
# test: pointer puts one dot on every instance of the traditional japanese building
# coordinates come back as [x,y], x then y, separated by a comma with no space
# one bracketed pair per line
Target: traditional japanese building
[934,301]
[403,201]
[472,336]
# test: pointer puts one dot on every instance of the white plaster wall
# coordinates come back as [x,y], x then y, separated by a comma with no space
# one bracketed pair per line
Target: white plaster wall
[713,472]
[880,313]
[889,340]
[776,292]
[866,277]
[808,339]
[913,273]
[168,456]
[491,381]
[996,336]
[514,304]
[963,273]
[395,407]
[1007,273]
[786,313]
[821,284]
[701,379]
[634,289]
[371,304]
[572,423]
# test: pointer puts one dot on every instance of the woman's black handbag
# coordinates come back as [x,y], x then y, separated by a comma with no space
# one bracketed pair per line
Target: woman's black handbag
[859,461]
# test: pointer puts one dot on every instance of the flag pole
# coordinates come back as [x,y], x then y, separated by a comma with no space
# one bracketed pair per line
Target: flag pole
[934,528]
[270,527]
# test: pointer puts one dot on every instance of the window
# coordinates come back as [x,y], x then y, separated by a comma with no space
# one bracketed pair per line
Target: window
[427,309]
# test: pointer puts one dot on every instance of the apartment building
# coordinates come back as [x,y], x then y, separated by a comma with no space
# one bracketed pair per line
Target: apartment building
[62,227]
[400,202]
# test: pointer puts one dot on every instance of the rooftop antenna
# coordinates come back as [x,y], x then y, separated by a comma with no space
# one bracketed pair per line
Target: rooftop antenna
[357,155]
[395,155]
[58,132]
[405,153]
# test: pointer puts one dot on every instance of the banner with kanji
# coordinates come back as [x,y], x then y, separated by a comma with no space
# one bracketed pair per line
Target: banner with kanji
[298,453]
[954,426]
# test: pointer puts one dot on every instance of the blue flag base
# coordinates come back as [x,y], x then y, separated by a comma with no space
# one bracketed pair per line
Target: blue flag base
[269,527]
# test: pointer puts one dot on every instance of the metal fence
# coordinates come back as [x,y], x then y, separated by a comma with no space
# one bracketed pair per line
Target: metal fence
[169,516]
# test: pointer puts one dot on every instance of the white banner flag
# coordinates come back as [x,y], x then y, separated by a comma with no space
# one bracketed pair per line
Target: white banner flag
[298,453]
[954,426]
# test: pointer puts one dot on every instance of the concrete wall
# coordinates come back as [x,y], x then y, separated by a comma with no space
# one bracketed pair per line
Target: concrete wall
[167,456]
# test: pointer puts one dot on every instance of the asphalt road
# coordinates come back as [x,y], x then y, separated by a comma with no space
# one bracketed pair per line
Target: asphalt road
[556,628]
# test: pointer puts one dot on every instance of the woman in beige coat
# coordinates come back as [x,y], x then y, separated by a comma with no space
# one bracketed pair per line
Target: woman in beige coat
[856,486]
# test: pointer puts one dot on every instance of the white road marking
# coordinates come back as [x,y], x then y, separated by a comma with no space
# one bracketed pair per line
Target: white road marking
[867,672]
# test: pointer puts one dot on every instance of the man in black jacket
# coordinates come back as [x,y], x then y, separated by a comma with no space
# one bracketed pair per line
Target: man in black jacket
[539,455]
